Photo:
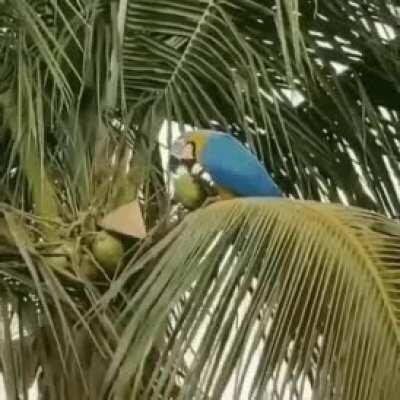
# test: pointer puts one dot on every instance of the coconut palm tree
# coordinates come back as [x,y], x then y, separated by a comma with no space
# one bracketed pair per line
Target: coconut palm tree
[244,299]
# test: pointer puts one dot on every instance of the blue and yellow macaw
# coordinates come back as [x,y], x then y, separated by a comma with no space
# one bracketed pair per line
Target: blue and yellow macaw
[235,171]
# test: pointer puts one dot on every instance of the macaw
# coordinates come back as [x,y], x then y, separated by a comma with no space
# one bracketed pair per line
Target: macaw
[235,171]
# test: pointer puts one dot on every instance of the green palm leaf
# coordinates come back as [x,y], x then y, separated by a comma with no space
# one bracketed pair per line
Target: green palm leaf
[47,338]
[239,65]
[289,297]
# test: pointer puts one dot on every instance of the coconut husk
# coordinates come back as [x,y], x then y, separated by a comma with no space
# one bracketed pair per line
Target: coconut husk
[126,220]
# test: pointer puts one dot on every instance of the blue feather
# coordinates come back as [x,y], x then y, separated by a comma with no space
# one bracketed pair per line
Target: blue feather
[233,167]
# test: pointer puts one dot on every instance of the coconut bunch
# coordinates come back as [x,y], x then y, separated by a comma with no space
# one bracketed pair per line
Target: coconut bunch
[80,230]
[75,180]
[95,241]
[71,166]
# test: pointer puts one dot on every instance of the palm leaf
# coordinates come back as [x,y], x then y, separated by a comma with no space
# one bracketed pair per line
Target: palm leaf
[78,77]
[289,297]
[46,312]
[37,354]
[239,65]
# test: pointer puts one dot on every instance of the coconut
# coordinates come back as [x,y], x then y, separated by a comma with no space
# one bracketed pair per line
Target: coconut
[87,268]
[108,250]
[189,192]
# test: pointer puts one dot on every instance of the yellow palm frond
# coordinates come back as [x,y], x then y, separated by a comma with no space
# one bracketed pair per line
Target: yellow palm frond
[289,297]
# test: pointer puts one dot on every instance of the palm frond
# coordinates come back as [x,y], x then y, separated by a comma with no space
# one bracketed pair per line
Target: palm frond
[49,336]
[312,87]
[45,353]
[289,297]
[310,97]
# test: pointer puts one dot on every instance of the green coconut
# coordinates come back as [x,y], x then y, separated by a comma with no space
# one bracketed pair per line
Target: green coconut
[189,192]
[87,268]
[108,250]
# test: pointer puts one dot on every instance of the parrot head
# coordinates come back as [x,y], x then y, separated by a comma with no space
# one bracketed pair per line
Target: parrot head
[189,148]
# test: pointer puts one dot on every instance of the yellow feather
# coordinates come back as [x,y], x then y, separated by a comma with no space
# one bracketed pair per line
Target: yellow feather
[224,193]
[199,140]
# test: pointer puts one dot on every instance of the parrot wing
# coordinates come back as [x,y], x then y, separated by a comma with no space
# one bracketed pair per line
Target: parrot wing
[233,167]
